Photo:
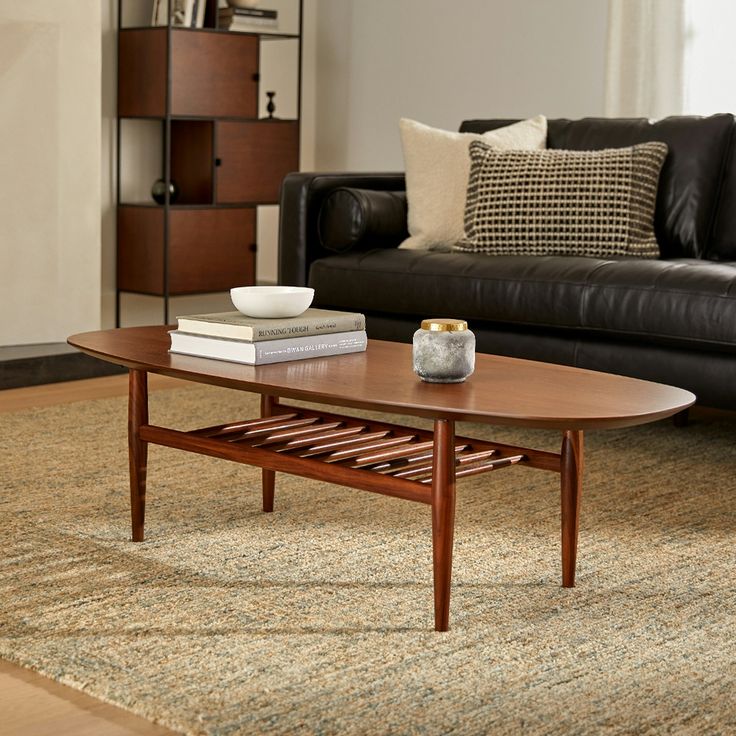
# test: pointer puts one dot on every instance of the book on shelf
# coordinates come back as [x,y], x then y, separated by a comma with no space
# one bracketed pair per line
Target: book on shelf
[237,19]
[250,25]
[268,351]
[188,13]
[257,27]
[248,13]
[237,326]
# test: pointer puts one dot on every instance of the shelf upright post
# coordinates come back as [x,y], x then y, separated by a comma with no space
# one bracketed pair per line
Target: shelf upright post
[117,162]
[299,85]
[167,163]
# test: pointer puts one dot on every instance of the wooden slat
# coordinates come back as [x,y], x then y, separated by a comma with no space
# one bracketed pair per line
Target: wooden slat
[540,459]
[408,453]
[483,467]
[324,447]
[415,470]
[323,438]
[410,450]
[278,437]
[265,430]
[233,427]
[414,461]
[349,452]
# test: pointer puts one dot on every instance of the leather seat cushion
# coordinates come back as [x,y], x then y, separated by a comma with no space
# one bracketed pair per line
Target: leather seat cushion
[682,302]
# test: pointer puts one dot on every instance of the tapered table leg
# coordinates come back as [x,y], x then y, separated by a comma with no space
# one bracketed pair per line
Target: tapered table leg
[268,477]
[137,449]
[443,518]
[571,459]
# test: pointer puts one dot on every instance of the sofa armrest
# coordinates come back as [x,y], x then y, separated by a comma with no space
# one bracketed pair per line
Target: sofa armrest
[302,194]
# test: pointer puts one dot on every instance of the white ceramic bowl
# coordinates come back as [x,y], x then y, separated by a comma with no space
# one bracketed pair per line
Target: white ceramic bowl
[271,301]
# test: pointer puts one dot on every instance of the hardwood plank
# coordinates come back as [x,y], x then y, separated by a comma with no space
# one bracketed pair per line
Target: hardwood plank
[34,705]
[67,392]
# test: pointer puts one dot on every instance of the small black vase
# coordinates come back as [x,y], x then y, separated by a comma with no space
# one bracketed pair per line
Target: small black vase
[158,191]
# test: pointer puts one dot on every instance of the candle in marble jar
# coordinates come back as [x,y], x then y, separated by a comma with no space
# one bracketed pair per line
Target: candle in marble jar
[444,351]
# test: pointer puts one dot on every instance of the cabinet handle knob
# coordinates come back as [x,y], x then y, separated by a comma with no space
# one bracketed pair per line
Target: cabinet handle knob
[253,247]
[256,77]
[218,162]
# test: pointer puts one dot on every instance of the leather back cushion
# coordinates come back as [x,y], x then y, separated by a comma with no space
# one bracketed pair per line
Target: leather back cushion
[690,181]
[360,218]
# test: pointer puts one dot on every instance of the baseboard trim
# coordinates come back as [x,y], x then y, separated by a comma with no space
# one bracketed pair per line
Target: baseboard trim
[34,365]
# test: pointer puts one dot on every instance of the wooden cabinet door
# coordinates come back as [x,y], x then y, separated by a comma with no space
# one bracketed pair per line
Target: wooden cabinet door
[213,74]
[142,72]
[254,158]
[211,249]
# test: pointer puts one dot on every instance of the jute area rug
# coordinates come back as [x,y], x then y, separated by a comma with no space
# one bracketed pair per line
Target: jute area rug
[318,618]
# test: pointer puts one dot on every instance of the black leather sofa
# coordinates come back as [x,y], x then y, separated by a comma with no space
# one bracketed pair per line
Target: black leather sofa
[671,320]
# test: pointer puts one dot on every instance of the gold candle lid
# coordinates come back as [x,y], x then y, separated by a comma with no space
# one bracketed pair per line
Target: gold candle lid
[444,325]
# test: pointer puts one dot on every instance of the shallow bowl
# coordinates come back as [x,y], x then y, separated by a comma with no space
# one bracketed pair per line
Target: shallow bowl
[271,301]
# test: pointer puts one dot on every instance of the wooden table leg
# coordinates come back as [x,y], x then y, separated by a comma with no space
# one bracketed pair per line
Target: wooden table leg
[268,477]
[137,449]
[571,460]
[443,518]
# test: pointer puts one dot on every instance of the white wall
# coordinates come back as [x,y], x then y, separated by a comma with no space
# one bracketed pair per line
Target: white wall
[441,62]
[50,166]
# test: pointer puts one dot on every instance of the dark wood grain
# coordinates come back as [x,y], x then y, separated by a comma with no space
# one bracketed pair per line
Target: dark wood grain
[443,519]
[268,477]
[210,249]
[505,391]
[255,156]
[571,481]
[140,260]
[212,74]
[137,450]
[142,72]
[192,160]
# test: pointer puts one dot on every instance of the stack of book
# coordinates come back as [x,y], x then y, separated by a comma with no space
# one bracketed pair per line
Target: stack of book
[233,336]
[245,19]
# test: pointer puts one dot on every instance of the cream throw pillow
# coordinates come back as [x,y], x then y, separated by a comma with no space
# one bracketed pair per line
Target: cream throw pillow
[437,165]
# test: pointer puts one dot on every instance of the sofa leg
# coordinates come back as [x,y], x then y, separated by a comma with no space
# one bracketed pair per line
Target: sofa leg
[682,418]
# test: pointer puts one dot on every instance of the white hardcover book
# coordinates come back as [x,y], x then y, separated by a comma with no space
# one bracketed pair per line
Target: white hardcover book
[239,327]
[237,25]
[268,351]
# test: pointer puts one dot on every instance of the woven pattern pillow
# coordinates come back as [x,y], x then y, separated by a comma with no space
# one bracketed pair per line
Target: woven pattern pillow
[437,167]
[556,202]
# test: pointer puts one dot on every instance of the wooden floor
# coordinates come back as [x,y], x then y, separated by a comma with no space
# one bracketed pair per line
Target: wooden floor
[15,399]
[32,705]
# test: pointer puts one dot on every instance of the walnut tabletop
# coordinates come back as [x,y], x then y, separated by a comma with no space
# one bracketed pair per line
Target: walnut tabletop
[500,391]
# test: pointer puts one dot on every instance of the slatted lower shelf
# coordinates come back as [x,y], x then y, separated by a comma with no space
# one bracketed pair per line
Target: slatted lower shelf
[376,456]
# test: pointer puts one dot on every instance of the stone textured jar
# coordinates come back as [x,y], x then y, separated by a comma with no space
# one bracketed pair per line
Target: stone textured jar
[444,351]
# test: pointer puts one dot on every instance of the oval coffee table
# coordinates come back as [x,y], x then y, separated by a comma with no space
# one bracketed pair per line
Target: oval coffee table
[413,464]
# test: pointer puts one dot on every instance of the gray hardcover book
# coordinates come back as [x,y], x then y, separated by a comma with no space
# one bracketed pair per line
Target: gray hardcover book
[237,326]
[268,351]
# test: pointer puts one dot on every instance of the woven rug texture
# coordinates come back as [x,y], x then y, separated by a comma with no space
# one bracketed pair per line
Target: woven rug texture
[317,619]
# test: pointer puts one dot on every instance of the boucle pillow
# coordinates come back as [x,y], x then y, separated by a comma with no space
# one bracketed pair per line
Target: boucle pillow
[437,166]
[556,202]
